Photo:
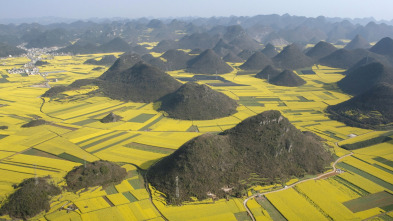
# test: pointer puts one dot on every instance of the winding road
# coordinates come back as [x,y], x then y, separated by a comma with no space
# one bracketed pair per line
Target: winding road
[327,174]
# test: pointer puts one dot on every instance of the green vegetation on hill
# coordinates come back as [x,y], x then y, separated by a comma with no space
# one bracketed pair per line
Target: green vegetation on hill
[115,45]
[41,63]
[245,54]
[365,77]
[197,102]
[30,198]
[371,109]
[140,83]
[321,50]
[50,38]
[292,58]
[111,117]
[270,50]
[123,63]
[57,90]
[357,42]
[266,146]
[98,173]
[170,60]
[6,50]
[343,58]
[35,123]
[383,47]
[208,62]
[231,57]
[257,61]
[105,60]
[269,72]
[85,47]
[80,47]
[287,78]
[222,48]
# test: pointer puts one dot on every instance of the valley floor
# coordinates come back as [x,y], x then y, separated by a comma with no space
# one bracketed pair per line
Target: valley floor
[144,135]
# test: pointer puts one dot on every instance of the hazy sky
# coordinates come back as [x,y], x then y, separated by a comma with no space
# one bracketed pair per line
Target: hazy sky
[379,9]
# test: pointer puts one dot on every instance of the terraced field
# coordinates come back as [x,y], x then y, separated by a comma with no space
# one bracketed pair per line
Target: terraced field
[144,135]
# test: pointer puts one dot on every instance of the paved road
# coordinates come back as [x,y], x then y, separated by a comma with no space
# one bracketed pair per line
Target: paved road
[294,184]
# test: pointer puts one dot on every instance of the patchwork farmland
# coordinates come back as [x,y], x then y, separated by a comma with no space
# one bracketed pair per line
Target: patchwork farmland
[74,135]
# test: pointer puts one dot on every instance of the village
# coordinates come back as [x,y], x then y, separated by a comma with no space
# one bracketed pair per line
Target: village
[35,55]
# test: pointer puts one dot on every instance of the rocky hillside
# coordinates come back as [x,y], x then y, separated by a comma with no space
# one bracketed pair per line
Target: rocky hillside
[193,101]
[265,148]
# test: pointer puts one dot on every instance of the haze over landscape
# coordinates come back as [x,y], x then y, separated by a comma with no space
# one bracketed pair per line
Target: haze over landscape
[196,110]
[74,9]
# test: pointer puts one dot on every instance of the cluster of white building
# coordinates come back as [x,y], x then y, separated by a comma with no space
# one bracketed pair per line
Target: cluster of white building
[28,71]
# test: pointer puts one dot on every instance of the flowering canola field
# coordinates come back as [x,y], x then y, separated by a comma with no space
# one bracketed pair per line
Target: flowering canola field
[75,135]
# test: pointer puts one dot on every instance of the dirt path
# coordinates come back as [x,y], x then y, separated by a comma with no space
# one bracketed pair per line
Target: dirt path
[322,176]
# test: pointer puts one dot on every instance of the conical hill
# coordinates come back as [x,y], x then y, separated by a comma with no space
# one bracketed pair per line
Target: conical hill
[222,48]
[358,42]
[343,58]
[208,62]
[176,59]
[265,147]
[257,61]
[193,101]
[231,57]
[367,60]
[287,78]
[383,47]
[321,50]
[140,83]
[106,60]
[270,50]
[365,77]
[115,45]
[372,109]
[246,54]
[122,63]
[269,72]
[291,57]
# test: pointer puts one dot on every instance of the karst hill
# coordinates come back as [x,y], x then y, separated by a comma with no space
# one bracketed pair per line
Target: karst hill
[372,109]
[193,101]
[269,72]
[287,78]
[140,83]
[257,61]
[208,62]
[292,58]
[321,50]
[365,77]
[266,145]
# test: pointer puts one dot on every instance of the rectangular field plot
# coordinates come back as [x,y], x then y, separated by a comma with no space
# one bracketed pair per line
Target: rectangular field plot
[89,205]
[294,206]
[381,199]
[366,175]
[169,140]
[368,168]
[219,210]
[384,161]
[142,118]
[123,154]
[272,211]
[328,197]
[149,148]
[362,182]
